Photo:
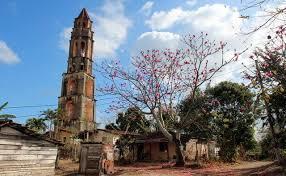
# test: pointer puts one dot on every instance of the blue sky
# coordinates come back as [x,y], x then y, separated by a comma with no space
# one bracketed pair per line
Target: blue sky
[34,36]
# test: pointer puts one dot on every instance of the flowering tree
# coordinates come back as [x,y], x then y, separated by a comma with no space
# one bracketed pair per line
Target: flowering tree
[269,79]
[271,13]
[159,79]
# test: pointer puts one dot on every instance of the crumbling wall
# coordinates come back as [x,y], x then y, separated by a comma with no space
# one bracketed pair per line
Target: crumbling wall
[199,150]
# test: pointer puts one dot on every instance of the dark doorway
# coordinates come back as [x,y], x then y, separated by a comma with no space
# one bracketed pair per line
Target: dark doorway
[140,152]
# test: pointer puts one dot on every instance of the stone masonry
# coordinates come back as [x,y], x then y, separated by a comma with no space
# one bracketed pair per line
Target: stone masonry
[77,93]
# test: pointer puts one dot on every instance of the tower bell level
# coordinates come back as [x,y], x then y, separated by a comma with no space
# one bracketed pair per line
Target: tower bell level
[77,93]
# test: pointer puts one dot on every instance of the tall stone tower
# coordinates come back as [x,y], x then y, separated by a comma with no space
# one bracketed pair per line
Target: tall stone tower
[77,93]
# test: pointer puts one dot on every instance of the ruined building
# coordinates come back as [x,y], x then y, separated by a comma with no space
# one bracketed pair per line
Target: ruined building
[77,93]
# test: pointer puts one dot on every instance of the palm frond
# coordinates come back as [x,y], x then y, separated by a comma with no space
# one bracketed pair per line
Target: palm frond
[3,106]
[7,116]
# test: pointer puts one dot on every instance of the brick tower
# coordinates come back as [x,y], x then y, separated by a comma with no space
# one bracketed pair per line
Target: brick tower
[77,93]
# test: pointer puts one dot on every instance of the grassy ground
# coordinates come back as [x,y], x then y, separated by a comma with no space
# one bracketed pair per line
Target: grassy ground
[254,168]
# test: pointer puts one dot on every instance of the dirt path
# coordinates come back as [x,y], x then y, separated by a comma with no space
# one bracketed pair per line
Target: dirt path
[67,167]
[243,168]
[254,168]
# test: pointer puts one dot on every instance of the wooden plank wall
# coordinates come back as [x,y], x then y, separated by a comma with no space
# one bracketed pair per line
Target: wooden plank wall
[90,159]
[24,155]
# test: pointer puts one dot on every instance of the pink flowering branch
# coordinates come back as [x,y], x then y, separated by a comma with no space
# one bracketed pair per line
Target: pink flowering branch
[159,79]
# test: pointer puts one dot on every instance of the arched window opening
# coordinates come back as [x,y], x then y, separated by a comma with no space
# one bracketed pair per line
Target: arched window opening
[74,49]
[69,109]
[81,66]
[64,89]
[73,67]
[72,87]
[82,49]
[84,24]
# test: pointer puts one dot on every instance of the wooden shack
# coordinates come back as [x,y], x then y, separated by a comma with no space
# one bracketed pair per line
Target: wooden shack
[22,152]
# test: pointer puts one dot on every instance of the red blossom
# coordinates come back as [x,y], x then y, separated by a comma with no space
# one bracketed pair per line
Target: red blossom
[269,74]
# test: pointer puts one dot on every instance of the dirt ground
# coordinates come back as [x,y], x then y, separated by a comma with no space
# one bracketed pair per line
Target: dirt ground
[254,168]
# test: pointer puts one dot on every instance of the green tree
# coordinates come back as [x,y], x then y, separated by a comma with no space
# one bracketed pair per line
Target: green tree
[233,118]
[132,120]
[50,115]
[59,120]
[123,144]
[5,116]
[269,80]
[198,114]
[36,124]
[277,107]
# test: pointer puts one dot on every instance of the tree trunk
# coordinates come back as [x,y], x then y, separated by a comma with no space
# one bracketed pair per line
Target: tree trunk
[270,118]
[172,137]
[50,130]
[179,156]
[162,128]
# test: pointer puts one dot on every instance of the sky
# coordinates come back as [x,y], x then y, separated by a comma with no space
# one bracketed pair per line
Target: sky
[34,38]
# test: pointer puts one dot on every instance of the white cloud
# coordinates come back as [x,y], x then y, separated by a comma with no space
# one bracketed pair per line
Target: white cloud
[191,2]
[222,20]
[166,19]
[156,40]
[65,36]
[110,30]
[7,55]
[147,8]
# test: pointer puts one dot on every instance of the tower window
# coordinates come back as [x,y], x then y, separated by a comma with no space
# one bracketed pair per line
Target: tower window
[69,109]
[73,66]
[71,87]
[64,88]
[84,24]
[74,49]
[82,49]
[81,66]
